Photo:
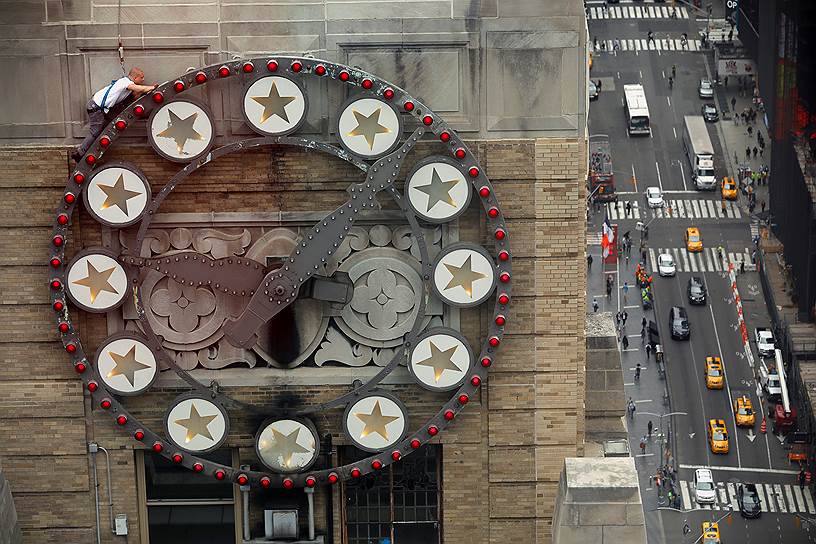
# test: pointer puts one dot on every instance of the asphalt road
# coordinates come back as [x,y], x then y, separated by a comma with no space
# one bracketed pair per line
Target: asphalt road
[659,160]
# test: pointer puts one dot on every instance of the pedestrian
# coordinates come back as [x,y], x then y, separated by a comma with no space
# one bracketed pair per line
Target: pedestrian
[600,85]
[628,208]
[643,323]
[756,152]
[648,350]
[674,70]
[649,428]
[630,408]
[589,262]
[625,342]
[762,205]
[608,289]
[594,305]
[722,206]
[731,35]
[100,104]
[624,315]
[637,372]
[733,103]
[747,153]
[617,320]
[742,267]
[643,446]
[594,44]
[802,479]
[625,292]
[725,81]
[627,259]
[750,128]
[649,37]
[616,44]
[643,335]
[761,149]
[753,257]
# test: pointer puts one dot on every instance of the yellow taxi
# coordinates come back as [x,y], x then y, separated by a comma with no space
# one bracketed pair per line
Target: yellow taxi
[714,373]
[590,60]
[694,242]
[744,412]
[711,532]
[729,189]
[717,436]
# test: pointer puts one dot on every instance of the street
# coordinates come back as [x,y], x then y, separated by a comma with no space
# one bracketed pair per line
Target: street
[659,160]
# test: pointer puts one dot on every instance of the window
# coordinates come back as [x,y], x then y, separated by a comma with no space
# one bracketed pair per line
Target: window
[182,507]
[400,503]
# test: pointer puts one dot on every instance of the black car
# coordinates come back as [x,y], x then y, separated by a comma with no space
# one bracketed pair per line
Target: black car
[748,500]
[696,290]
[679,324]
[710,113]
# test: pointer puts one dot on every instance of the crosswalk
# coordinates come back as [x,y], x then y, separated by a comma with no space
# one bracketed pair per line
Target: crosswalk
[782,498]
[636,12]
[704,261]
[680,209]
[658,44]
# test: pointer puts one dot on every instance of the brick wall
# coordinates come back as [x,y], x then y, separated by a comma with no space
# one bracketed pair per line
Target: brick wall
[502,457]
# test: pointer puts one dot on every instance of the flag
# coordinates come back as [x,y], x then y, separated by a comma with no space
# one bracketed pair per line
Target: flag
[608,238]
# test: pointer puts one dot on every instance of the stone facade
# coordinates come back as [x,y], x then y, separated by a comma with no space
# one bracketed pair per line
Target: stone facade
[502,458]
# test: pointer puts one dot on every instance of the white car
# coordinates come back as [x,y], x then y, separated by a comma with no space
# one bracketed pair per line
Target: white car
[704,491]
[654,197]
[766,345]
[706,89]
[665,265]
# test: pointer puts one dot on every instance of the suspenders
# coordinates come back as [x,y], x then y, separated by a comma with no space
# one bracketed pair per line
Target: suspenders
[107,91]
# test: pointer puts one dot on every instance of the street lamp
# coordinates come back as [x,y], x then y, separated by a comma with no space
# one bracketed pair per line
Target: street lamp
[660,417]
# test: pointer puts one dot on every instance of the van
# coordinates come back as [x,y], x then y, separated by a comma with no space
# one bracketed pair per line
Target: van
[678,323]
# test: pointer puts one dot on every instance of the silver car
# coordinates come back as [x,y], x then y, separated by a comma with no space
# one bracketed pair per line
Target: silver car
[705,89]
[654,197]
[665,265]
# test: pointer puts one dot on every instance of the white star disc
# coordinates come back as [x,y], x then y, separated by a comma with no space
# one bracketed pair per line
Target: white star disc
[287,445]
[274,106]
[95,281]
[437,190]
[369,128]
[125,364]
[196,424]
[117,195]
[181,130]
[440,359]
[375,422]
[463,275]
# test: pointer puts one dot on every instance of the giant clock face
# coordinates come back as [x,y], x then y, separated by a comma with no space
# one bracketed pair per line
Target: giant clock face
[369,134]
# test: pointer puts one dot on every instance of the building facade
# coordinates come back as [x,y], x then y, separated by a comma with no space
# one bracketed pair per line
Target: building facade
[503,81]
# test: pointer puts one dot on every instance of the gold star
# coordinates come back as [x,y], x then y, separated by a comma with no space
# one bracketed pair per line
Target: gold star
[97,281]
[196,424]
[126,365]
[274,104]
[369,127]
[375,422]
[440,360]
[181,130]
[117,195]
[463,276]
[283,447]
[438,190]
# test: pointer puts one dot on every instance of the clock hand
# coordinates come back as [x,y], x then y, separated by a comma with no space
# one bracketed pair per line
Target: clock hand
[280,287]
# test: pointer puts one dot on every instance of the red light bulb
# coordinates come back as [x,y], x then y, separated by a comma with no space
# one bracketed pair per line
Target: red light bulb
[93,386]
[224,71]
[388,93]
[80,367]
[178,458]
[90,159]
[503,298]
[376,464]
[427,120]
[248,67]
[104,141]
[367,83]
[500,320]
[105,404]
[288,483]
[494,341]
[310,481]
[500,234]
[62,219]
[449,415]
[296,67]
[355,473]
[460,153]
[178,86]
[395,455]
[266,482]
[139,435]
[473,171]
[121,420]
[158,97]
[409,106]
[64,327]
[219,474]
[503,255]
[475,381]
[69,198]
[198,467]
[463,399]
[271,65]
[200,77]
[242,479]
[320,70]
[56,284]
[415,443]
[55,263]
[120,125]
[79,178]
[158,447]
[504,277]
[139,110]
[333,478]
[445,136]
[344,76]
[58,305]
[493,213]
[71,348]
[433,430]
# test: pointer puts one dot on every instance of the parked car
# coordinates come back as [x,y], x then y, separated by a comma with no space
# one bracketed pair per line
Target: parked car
[678,323]
[654,197]
[764,341]
[593,90]
[705,89]
[704,491]
[748,500]
[665,265]
[696,290]
[710,113]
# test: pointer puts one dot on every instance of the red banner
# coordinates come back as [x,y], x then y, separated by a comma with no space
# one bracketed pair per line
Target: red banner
[612,258]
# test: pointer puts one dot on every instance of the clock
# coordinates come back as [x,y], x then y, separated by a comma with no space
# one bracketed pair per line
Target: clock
[377,130]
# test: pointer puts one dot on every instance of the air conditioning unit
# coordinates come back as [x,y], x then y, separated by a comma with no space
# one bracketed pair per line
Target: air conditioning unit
[281,524]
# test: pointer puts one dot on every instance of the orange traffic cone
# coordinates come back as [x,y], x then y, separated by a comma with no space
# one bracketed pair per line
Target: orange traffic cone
[763,427]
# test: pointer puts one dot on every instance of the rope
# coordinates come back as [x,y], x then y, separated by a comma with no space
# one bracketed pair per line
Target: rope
[121,49]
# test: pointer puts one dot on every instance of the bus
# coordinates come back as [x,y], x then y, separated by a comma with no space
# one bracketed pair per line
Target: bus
[637,111]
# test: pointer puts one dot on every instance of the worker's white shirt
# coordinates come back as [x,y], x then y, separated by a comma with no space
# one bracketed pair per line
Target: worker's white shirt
[117,93]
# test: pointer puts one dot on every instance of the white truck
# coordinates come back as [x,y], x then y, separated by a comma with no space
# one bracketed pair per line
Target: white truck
[700,152]
[765,341]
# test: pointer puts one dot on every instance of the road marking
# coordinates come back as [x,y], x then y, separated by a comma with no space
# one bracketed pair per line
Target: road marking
[780,501]
[643,400]
[630,307]
[674,130]
[653,260]
[684,255]
[684,491]
[693,261]
[763,502]
[644,455]
[709,264]
[809,502]
[770,493]
[659,181]
[794,507]
[732,493]
[727,387]
[722,495]
[742,469]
